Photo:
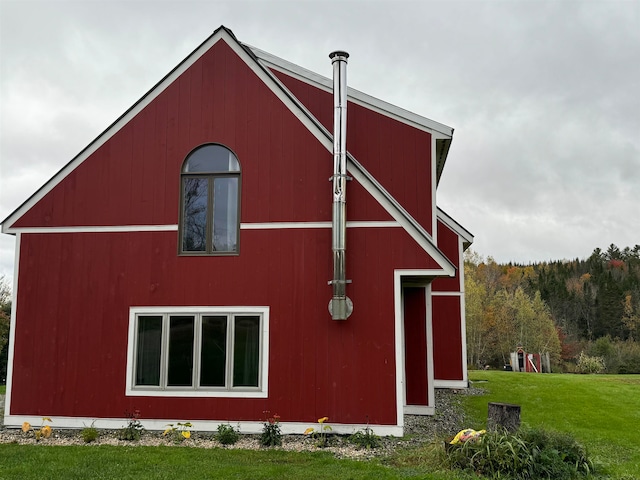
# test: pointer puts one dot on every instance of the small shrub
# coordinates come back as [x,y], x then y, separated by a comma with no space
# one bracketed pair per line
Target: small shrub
[365,439]
[133,430]
[587,364]
[178,431]
[89,434]
[271,433]
[227,435]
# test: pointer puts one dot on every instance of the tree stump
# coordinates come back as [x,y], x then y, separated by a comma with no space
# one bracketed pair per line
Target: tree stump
[503,416]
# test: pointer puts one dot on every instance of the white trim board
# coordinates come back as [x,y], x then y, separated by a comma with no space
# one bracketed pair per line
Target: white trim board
[173,228]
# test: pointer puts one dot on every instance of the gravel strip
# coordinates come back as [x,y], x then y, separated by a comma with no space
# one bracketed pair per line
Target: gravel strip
[419,429]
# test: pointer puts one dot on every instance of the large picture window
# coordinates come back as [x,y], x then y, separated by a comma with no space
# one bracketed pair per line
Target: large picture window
[215,351]
[210,196]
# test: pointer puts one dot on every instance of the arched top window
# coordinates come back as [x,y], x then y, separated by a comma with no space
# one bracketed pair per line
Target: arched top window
[211,158]
[210,196]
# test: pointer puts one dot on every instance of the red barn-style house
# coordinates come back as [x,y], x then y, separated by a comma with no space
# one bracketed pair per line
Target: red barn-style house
[194,263]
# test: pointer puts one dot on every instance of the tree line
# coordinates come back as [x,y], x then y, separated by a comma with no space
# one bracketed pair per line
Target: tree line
[565,307]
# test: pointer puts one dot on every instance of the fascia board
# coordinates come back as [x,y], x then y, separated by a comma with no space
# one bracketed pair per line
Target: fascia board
[356,96]
[455,226]
[156,90]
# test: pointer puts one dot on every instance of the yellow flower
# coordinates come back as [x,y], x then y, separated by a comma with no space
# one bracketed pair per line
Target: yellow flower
[308,431]
[323,419]
[46,431]
[26,426]
[186,434]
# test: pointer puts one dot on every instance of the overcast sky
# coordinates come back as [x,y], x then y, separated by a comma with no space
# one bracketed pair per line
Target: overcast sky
[544,97]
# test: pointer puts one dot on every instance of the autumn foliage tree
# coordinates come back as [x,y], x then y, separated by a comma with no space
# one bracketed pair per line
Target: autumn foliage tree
[501,315]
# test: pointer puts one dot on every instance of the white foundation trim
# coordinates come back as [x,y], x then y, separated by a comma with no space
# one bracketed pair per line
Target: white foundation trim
[447,294]
[419,410]
[450,383]
[288,428]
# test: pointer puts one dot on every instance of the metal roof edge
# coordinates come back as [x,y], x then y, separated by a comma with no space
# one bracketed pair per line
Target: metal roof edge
[455,226]
[272,61]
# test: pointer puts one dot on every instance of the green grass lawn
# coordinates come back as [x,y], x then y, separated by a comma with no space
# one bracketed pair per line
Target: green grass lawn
[27,462]
[601,411]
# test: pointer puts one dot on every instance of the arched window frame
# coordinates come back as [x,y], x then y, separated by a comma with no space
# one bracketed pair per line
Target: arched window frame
[210,185]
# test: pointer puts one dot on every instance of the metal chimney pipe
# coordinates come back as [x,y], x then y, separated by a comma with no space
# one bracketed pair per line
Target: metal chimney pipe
[340,305]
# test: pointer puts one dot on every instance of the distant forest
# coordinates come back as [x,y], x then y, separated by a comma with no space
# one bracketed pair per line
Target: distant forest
[585,313]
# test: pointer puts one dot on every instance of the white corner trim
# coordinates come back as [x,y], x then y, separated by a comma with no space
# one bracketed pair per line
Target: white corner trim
[246,427]
[463,314]
[399,346]
[431,392]
[12,327]
[263,392]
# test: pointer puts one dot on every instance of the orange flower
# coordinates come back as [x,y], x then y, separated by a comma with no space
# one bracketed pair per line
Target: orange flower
[323,419]
[26,426]
[46,431]
[308,431]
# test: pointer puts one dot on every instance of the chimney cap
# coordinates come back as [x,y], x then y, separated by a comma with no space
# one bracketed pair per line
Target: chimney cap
[338,53]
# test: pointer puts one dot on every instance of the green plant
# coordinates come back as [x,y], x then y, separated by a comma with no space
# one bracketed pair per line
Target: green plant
[178,431]
[588,364]
[43,432]
[365,439]
[529,453]
[133,430]
[271,433]
[321,434]
[227,435]
[89,434]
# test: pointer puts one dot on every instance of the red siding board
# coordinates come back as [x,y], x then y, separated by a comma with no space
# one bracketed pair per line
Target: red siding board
[447,335]
[396,154]
[449,244]
[415,337]
[315,362]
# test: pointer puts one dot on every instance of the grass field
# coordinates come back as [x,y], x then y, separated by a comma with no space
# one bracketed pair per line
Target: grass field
[602,411]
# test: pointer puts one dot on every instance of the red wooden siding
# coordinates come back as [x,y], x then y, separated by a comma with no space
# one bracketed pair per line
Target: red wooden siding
[396,154]
[72,327]
[447,338]
[415,337]
[449,244]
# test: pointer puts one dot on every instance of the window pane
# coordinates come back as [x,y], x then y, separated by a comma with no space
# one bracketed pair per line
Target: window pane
[212,159]
[194,233]
[180,371]
[213,356]
[246,351]
[225,214]
[148,350]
